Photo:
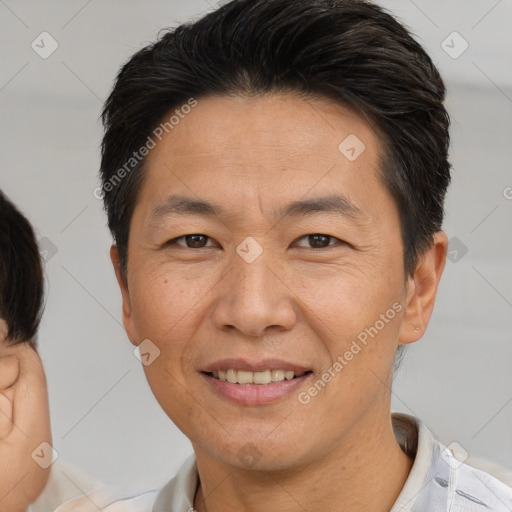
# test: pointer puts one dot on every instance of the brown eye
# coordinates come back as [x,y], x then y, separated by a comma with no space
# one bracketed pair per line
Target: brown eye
[319,241]
[194,241]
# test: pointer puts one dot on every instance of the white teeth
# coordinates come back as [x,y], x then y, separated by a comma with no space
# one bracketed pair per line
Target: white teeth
[277,375]
[244,377]
[264,377]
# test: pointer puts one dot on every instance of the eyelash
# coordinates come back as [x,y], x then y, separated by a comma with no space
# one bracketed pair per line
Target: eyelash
[330,237]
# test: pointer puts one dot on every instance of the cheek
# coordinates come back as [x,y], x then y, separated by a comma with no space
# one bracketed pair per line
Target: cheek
[168,388]
[357,320]
[165,301]
[350,296]
[168,309]
[356,304]
[165,312]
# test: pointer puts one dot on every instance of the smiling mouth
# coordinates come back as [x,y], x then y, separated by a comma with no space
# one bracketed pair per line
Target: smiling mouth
[261,378]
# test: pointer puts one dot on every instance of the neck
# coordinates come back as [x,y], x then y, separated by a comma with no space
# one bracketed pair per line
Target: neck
[365,472]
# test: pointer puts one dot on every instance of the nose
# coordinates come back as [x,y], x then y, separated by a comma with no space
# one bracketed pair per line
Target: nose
[255,298]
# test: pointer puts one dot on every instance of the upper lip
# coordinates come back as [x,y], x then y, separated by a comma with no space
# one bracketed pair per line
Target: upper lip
[254,366]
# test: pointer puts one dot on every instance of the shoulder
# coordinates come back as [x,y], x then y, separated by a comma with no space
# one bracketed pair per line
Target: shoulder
[476,490]
[469,488]
[65,483]
[496,470]
[68,489]
[443,478]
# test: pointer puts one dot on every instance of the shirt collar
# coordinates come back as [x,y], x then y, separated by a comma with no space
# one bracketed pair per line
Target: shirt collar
[417,442]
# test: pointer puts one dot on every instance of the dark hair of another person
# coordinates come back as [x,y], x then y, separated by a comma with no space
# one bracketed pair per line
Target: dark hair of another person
[350,51]
[21,275]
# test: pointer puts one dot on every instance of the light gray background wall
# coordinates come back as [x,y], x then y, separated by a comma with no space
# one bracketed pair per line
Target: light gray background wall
[105,420]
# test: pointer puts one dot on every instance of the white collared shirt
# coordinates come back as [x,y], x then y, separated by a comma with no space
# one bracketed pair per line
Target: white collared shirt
[438,482]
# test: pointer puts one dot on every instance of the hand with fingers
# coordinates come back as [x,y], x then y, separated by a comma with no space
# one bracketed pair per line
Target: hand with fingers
[25,436]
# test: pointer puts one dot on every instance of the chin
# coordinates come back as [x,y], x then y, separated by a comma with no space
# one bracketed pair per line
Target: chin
[258,453]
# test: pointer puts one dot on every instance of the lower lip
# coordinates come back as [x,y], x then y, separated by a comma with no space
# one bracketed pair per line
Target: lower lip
[255,394]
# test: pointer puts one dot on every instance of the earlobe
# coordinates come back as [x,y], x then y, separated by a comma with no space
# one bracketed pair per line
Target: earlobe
[128,322]
[422,288]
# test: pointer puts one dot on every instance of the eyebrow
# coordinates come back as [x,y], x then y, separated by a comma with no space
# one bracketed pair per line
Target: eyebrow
[177,205]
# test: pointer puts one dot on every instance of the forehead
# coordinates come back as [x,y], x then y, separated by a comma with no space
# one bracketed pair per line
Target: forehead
[278,147]
[244,124]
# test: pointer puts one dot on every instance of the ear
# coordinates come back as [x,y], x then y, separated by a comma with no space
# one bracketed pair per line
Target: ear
[421,289]
[128,322]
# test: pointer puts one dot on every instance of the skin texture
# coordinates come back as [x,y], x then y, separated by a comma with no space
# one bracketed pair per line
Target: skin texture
[24,424]
[295,302]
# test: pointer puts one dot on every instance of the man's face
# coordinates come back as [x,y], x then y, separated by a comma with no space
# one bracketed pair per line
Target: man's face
[278,300]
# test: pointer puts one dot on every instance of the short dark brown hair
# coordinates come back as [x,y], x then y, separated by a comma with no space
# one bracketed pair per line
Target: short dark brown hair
[352,51]
[21,275]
